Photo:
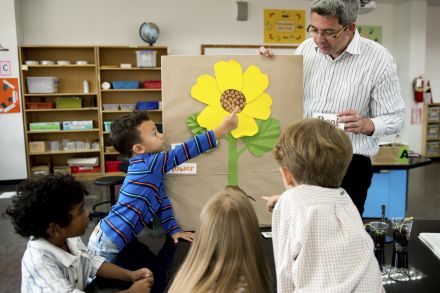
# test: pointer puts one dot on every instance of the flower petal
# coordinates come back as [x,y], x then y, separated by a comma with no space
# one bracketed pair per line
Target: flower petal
[206,90]
[254,83]
[211,117]
[259,108]
[246,126]
[229,75]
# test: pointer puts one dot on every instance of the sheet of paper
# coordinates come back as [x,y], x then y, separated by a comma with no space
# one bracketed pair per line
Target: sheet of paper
[432,241]
[267,234]
[330,118]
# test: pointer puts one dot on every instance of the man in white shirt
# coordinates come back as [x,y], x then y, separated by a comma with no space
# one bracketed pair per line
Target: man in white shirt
[354,78]
[319,241]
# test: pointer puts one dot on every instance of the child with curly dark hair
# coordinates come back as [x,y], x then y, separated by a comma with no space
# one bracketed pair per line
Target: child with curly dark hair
[50,210]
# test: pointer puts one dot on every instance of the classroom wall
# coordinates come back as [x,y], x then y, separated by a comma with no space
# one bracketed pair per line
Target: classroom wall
[12,147]
[433,43]
[187,24]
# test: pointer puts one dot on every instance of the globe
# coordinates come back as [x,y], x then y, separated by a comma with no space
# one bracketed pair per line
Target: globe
[149,32]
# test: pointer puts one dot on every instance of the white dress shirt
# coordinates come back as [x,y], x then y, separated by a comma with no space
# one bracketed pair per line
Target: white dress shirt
[363,78]
[48,268]
[320,244]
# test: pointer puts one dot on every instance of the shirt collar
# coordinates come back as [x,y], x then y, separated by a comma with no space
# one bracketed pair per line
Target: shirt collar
[352,48]
[62,256]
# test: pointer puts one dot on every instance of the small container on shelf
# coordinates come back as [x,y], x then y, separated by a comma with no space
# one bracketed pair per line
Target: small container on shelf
[36,126]
[42,84]
[128,106]
[152,84]
[146,58]
[78,125]
[147,105]
[107,126]
[110,107]
[61,170]
[37,146]
[85,169]
[125,84]
[31,62]
[40,170]
[53,146]
[112,166]
[40,105]
[68,102]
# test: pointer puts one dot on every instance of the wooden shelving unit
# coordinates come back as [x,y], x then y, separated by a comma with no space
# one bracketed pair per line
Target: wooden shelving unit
[103,65]
[431,131]
[109,59]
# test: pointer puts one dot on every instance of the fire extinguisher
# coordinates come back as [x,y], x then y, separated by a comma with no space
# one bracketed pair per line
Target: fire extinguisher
[418,89]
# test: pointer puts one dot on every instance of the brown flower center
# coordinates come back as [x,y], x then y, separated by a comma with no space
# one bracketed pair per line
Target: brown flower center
[232,99]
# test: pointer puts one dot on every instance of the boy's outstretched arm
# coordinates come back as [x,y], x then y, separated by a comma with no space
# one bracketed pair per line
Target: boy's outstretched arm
[228,124]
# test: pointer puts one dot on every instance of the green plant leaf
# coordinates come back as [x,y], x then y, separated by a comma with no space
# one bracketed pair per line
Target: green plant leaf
[266,138]
[193,125]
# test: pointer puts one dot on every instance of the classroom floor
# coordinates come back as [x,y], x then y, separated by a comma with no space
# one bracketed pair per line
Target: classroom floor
[423,203]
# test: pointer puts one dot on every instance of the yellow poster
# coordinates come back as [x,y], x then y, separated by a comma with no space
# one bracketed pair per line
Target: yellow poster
[284,26]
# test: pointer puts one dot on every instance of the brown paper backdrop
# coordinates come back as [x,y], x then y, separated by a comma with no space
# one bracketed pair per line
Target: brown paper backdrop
[258,176]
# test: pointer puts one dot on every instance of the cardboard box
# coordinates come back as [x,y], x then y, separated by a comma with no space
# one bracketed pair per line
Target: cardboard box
[35,126]
[37,146]
[391,154]
[77,125]
[42,170]
[61,170]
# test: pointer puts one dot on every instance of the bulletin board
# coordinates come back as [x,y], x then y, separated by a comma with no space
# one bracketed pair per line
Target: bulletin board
[279,79]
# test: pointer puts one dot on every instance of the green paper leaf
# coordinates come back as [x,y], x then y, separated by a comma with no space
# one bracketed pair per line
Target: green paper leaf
[193,125]
[266,138]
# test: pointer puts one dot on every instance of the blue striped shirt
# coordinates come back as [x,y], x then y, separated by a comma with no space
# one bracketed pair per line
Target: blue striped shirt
[364,78]
[142,194]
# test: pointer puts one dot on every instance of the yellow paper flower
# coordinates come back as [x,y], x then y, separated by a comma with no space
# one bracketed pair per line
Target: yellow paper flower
[229,89]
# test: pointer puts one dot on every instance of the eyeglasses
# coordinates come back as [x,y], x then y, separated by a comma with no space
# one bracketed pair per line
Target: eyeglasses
[325,33]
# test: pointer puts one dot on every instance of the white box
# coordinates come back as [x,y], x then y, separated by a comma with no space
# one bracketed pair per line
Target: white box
[146,58]
[42,84]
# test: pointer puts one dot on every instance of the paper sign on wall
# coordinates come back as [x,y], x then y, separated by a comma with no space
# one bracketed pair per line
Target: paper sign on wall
[9,96]
[284,26]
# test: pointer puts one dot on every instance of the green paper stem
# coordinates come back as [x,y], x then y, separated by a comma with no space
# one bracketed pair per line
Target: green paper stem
[232,161]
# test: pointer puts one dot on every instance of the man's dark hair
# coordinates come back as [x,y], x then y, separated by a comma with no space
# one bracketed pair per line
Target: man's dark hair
[124,131]
[42,201]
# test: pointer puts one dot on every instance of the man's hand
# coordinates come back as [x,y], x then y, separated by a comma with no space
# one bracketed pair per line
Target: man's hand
[229,123]
[271,201]
[265,52]
[355,123]
[140,274]
[188,236]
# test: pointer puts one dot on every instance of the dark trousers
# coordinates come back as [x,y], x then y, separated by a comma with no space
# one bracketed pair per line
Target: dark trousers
[357,180]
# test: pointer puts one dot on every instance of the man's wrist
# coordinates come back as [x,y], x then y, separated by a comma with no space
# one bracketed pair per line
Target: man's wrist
[367,127]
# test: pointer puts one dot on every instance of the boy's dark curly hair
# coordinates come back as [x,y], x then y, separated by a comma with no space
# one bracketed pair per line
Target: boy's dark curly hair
[42,201]
[124,133]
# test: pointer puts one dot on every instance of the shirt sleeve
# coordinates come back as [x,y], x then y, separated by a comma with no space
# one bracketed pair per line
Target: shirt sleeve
[191,148]
[286,245]
[95,260]
[45,275]
[387,105]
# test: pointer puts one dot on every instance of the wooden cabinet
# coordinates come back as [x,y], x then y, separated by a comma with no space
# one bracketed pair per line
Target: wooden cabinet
[39,101]
[95,65]
[431,131]
[116,102]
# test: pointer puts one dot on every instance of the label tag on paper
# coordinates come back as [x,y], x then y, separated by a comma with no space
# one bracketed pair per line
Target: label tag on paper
[330,118]
[267,234]
[185,168]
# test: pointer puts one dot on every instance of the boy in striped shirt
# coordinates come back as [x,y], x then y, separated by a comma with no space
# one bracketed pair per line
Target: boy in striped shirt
[142,196]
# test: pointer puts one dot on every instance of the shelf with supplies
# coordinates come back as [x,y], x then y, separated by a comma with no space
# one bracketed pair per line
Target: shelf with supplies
[431,131]
[130,78]
[71,94]
[60,97]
